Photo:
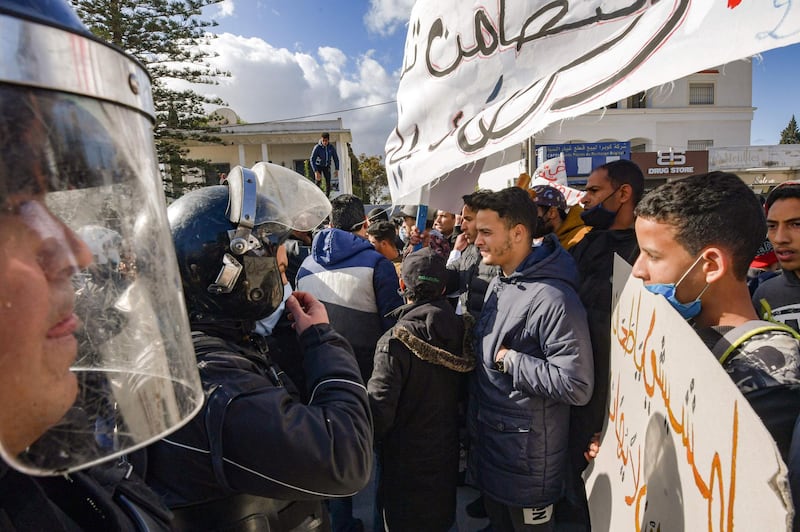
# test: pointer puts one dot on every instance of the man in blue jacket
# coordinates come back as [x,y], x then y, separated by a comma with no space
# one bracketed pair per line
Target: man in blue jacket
[534,362]
[321,156]
[358,287]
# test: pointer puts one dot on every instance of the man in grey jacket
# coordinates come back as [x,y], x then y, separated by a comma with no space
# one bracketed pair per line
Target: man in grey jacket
[534,362]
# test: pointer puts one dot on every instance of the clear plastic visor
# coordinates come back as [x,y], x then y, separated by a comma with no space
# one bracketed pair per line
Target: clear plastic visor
[96,358]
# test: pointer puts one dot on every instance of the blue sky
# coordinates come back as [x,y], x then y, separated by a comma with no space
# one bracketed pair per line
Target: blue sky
[300,58]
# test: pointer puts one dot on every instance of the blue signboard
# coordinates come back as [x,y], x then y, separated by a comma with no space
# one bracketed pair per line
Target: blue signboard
[581,159]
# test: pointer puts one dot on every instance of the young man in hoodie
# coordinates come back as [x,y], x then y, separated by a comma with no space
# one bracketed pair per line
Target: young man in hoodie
[359,288]
[321,157]
[534,363]
[414,391]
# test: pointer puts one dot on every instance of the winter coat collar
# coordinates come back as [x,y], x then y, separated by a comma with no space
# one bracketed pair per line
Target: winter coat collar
[423,350]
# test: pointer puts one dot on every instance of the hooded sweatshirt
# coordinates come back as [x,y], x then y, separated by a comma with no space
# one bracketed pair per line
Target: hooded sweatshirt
[357,285]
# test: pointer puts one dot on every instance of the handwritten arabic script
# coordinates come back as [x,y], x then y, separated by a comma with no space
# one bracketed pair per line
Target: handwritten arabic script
[679,441]
[715,482]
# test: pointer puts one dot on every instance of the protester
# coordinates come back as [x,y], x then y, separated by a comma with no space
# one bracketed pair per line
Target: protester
[256,453]
[414,395]
[535,360]
[323,154]
[612,192]
[359,288]
[554,217]
[76,389]
[445,223]
[474,274]
[691,256]
[428,237]
[357,285]
[778,298]
[383,237]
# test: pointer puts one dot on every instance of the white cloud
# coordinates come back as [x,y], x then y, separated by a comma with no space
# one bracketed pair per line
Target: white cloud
[226,9]
[269,83]
[386,16]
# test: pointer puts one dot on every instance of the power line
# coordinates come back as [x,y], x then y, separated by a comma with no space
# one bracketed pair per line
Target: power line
[331,112]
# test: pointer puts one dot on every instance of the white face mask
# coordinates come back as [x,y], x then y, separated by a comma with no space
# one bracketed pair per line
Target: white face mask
[265,326]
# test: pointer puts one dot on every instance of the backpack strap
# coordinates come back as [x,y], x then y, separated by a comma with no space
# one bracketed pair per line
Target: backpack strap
[766,310]
[734,338]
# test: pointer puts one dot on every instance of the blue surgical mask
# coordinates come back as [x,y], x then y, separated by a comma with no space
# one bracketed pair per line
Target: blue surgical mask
[267,325]
[686,310]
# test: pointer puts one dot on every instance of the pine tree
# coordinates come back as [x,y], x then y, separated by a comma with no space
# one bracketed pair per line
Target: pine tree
[165,35]
[790,134]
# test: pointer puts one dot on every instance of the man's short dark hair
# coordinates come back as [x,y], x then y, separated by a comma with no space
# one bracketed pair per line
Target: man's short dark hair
[625,172]
[469,199]
[347,213]
[789,189]
[382,231]
[326,135]
[714,209]
[513,205]
[378,214]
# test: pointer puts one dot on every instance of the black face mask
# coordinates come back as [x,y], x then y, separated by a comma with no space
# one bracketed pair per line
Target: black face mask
[598,216]
[542,228]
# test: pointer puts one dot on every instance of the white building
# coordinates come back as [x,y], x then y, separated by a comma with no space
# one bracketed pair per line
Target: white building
[288,144]
[707,109]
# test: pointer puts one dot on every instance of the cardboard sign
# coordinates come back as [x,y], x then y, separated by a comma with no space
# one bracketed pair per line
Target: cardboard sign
[681,448]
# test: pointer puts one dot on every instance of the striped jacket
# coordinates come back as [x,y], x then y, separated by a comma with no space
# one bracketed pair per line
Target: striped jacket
[358,286]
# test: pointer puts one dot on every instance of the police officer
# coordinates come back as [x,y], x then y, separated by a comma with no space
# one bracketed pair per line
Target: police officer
[76,390]
[257,458]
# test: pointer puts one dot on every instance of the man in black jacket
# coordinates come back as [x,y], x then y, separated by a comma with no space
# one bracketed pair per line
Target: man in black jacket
[256,454]
[612,192]
[420,365]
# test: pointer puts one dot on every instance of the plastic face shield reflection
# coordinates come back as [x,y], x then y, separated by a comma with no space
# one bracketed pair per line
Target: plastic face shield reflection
[97,364]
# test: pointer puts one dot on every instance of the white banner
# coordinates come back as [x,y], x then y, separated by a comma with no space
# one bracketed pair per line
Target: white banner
[481,75]
[681,448]
[553,170]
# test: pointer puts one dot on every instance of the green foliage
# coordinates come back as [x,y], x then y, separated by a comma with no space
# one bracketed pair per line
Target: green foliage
[790,134]
[370,182]
[165,35]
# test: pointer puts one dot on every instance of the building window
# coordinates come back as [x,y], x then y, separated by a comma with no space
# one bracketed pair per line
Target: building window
[638,148]
[637,101]
[699,145]
[701,93]
[614,105]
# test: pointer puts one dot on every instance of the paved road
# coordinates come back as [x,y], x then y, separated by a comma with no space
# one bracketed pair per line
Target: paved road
[362,508]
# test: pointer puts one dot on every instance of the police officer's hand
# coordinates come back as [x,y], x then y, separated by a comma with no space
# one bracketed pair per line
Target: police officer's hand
[305,310]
